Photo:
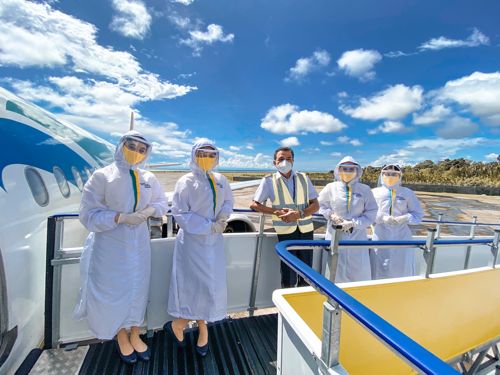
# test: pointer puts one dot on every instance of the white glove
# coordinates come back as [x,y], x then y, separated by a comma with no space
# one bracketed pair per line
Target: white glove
[219,226]
[403,219]
[222,216]
[134,218]
[336,219]
[389,220]
[148,211]
[347,226]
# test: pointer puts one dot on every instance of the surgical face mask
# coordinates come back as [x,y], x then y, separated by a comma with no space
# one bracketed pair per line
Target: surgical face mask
[284,166]
[390,180]
[133,157]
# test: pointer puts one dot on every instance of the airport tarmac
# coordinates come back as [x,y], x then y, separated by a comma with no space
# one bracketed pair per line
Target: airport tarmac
[453,207]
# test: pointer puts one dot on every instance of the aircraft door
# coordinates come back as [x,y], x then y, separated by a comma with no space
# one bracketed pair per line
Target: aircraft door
[7,338]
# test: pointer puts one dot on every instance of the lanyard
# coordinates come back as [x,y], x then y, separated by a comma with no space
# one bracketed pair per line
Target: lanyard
[213,186]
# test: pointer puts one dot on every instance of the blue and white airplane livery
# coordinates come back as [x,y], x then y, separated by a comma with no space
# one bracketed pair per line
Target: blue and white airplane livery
[44,164]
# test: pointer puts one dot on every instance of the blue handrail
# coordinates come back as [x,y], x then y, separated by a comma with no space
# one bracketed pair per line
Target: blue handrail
[420,357]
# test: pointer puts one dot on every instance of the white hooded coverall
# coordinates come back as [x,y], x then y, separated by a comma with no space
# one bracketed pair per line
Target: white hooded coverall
[116,261]
[353,264]
[198,288]
[397,262]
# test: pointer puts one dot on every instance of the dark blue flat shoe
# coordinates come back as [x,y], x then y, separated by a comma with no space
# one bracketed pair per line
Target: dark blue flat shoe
[145,355]
[202,350]
[128,359]
[168,328]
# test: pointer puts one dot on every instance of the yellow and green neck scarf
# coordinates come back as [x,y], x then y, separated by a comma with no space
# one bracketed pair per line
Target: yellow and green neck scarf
[348,192]
[136,186]
[213,186]
[393,198]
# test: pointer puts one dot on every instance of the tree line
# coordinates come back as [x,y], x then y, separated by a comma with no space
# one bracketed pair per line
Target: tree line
[459,172]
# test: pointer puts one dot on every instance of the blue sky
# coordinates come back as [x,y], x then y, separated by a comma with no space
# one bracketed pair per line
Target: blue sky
[384,81]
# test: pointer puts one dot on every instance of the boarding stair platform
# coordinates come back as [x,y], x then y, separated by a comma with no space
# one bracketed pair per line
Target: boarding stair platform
[437,323]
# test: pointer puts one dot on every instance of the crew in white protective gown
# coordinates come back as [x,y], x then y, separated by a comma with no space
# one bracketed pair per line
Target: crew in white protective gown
[398,206]
[201,204]
[349,203]
[116,262]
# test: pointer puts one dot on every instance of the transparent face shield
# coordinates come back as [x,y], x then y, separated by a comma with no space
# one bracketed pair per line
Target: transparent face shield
[390,178]
[134,151]
[207,158]
[348,172]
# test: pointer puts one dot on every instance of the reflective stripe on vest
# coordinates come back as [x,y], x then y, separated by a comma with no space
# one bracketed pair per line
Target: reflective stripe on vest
[283,199]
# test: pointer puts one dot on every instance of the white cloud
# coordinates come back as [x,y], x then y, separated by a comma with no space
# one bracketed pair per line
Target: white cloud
[336,154]
[476,39]
[249,146]
[104,108]
[33,34]
[389,127]
[346,140]
[133,19]
[183,2]
[393,103]
[431,148]
[234,148]
[306,65]
[491,157]
[359,63]
[197,38]
[290,142]
[326,143]
[182,23]
[457,127]
[436,114]
[288,119]
[478,92]
[231,159]
[393,54]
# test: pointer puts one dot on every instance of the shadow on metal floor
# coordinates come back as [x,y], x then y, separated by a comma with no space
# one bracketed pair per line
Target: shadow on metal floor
[237,346]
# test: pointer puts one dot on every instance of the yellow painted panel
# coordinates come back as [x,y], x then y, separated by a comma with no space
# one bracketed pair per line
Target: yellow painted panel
[447,315]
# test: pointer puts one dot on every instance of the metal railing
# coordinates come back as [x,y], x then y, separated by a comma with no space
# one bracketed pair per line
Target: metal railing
[338,300]
[57,256]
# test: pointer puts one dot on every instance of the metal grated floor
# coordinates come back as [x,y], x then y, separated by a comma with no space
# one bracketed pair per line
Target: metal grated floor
[237,346]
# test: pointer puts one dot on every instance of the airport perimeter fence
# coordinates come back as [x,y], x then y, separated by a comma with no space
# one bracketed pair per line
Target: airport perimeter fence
[431,188]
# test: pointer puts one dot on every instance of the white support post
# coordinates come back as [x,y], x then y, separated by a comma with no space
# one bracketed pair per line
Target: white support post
[333,254]
[430,251]
[494,247]
[438,225]
[330,344]
[256,265]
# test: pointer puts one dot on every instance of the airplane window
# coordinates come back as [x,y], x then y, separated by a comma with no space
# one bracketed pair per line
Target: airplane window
[37,186]
[88,171]
[78,178]
[62,182]
[84,177]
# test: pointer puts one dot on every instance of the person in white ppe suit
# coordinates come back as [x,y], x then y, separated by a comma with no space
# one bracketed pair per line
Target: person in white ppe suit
[116,261]
[349,203]
[201,204]
[398,206]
